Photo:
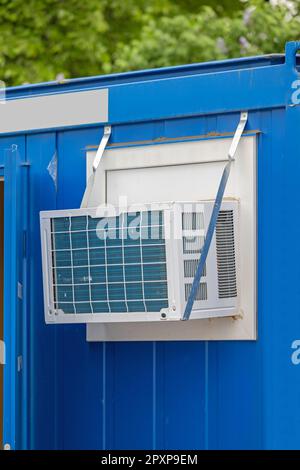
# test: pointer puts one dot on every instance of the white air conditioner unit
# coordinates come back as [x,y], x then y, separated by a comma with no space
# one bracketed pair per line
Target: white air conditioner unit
[138,264]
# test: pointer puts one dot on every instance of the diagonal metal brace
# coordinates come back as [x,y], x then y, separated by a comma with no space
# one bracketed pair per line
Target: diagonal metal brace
[214,216]
[96,162]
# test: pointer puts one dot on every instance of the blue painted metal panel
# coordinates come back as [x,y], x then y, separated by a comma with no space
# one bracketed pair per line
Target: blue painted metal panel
[129,396]
[13,154]
[281,325]
[93,249]
[200,94]
[42,403]
[144,75]
[180,408]
[207,93]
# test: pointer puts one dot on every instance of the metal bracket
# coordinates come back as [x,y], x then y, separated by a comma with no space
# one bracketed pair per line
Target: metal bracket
[96,163]
[101,148]
[238,134]
[214,216]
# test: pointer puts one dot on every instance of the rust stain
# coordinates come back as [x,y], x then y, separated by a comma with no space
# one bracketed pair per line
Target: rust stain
[173,139]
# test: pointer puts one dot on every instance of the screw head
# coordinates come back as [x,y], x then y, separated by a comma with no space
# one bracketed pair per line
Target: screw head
[163,316]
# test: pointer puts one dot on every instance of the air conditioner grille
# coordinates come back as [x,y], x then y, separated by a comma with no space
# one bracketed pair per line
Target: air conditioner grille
[225,246]
[116,264]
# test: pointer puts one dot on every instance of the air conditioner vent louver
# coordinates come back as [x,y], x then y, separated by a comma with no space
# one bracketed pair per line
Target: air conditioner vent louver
[193,240]
[201,292]
[225,247]
[192,244]
[192,220]
[190,267]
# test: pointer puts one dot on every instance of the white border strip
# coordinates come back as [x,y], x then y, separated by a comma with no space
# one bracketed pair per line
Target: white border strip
[54,111]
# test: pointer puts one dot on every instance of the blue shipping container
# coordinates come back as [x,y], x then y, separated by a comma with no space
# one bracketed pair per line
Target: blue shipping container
[62,392]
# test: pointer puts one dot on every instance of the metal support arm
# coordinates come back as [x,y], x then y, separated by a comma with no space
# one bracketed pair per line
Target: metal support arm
[97,160]
[214,216]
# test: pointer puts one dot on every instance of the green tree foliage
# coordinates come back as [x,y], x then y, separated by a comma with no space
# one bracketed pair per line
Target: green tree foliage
[41,39]
[259,29]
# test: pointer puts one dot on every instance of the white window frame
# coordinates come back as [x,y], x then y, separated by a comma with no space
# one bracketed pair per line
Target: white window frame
[209,154]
